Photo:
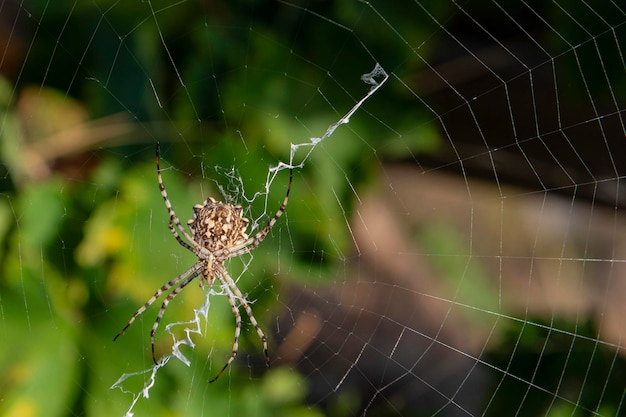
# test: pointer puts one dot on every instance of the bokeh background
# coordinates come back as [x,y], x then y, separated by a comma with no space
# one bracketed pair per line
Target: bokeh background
[456,249]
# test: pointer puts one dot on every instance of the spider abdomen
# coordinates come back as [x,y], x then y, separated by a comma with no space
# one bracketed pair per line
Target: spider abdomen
[218,226]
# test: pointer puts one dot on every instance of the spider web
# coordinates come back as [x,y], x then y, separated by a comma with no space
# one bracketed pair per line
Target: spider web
[454,239]
[375,79]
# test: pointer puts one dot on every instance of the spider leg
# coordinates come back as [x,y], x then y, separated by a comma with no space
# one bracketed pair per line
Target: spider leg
[173,217]
[233,306]
[254,241]
[167,300]
[194,270]
[181,241]
[231,288]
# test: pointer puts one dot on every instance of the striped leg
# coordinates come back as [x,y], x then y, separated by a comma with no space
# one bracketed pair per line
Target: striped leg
[181,241]
[235,309]
[228,283]
[233,306]
[173,218]
[251,243]
[194,270]
[167,300]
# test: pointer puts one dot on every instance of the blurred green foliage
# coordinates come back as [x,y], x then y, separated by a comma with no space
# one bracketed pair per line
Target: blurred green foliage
[86,240]
[223,86]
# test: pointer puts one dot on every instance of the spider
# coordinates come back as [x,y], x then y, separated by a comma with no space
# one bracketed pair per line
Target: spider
[218,233]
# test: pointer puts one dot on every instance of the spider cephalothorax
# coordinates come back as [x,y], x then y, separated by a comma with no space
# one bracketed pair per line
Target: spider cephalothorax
[218,233]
